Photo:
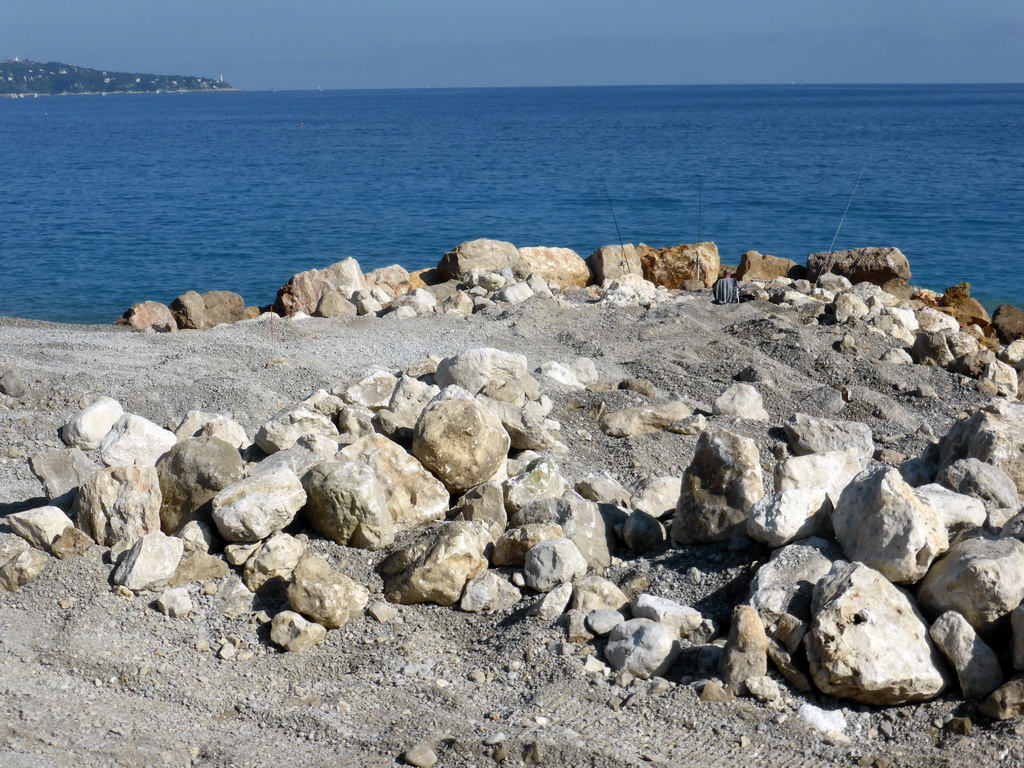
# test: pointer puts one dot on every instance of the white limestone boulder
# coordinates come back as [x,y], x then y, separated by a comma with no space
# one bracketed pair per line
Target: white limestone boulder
[346,503]
[324,595]
[286,427]
[150,563]
[741,401]
[135,441]
[40,527]
[477,368]
[642,648]
[119,504]
[89,426]
[258,506]
[786,516]
[460,442]
[809,434]
[831,470]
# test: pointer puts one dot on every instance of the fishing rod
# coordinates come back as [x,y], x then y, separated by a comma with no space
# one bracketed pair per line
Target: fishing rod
[848,203]
[700,192]
[622,247]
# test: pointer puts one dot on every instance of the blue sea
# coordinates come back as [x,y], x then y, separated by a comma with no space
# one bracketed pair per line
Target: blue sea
[107,201]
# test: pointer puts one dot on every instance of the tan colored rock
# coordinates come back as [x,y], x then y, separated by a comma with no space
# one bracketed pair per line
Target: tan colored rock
[273,563]
[561,267]
[882,522]
[347,504]
[194,311]
[479,368]
[436,568]
[18,571]
[756,266]
[746,650]
[873,265]
[40,527]
[644,419]
[302,293]
[413,496]
[461,442]
[294,633]
[198,567]
[540,479]
[511,548]
[868,642]
[149,315]
[489,593]
[671,267]
[395,278]
[324,595]
[719,488]
[71,543]
[484,255]
[286,427]
[596,593]
[119,504]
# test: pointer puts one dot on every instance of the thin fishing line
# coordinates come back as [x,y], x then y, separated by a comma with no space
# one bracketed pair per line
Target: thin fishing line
[622,247]
[848,202]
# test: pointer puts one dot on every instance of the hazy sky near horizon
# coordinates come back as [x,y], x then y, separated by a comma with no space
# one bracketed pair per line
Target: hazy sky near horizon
[259,44]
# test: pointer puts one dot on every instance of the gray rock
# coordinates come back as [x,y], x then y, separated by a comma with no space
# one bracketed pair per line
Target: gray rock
[976,665]
[150,563]
[489,593]
[981,578]
[641,532]
[553,562]
[808,434]
[719,487]
[594,593]
[957,511]
[175,603]
[785,584]
[191,473]
[484,504]
[554,603]
[657,496]
[641,647]
[973,477]
[602,621]
[62,471]
[347,505]
[12,384]
[683,620]
[993,435]
[540,479]
[789,515]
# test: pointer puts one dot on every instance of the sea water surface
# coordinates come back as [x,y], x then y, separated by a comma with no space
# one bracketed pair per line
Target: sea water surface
[107,201]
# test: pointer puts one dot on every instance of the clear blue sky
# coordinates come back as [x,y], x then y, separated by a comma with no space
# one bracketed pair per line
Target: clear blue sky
[304,44]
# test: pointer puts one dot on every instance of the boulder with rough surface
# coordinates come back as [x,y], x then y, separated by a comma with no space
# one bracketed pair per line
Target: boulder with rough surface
[860,619]
[460,442]
[561,267]
[149,315]
[436,568]
[553,562]
[40,527]
[480,367]
[719,488]
[882,522]
[786,516]
[191,473]
[809,434]
[258,506]
[119,504]
[295,633]
[641,647]
[976,665]
[644,419]
[671,267]
[62,471]
[273,562]
[345,503]
[135,441]
[483,255]
[324,595]
[150,563]
[992,434]
[610,262]
[746,650]
[195,311]
[741,401]
[757,266]
[89,426]
[286,427]
[872,265]
[785,584]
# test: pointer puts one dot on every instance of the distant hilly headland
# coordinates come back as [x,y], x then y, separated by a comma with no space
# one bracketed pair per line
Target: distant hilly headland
[21,77]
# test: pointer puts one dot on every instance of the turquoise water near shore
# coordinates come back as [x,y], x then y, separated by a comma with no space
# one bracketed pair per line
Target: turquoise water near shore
[112,200]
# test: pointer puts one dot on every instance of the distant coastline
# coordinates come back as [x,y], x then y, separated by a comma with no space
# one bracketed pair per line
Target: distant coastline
[22,78]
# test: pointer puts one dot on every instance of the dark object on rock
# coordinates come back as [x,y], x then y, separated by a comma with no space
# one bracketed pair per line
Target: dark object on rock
[11,383]
[1008,321]
[201,311]
[861,265]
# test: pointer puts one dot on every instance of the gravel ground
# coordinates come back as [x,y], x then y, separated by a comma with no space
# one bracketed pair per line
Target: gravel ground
[89,677]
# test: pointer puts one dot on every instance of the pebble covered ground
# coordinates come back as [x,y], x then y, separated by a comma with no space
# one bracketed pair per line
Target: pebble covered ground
[90,677]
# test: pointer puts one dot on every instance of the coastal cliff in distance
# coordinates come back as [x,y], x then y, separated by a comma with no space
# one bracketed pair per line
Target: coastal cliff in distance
[21,77]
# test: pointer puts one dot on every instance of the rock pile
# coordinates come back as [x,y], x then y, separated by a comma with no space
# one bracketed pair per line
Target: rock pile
[457,460]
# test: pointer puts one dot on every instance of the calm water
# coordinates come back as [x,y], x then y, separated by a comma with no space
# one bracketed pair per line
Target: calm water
[111,200]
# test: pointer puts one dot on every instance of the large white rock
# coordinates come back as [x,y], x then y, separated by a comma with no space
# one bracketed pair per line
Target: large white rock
[641,647]
[786,516]
[831,470]
[955,510]
[868,642]
[981,578]
[413,496]
[993,434]
[976,665]
[119,504]
[90,425]
[719,487]
[474,369]
[884,523]
[286,427]
[373,391]
[40,527]
[741,401]
[135,441]
[681,619]
[785,584]
[553,562]
[150,563]
[258,506]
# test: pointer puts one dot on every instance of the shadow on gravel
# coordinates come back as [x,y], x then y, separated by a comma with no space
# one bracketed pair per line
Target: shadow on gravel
[22,506]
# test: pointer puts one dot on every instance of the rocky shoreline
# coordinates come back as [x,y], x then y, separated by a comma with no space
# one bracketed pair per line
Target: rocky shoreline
[522,495]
